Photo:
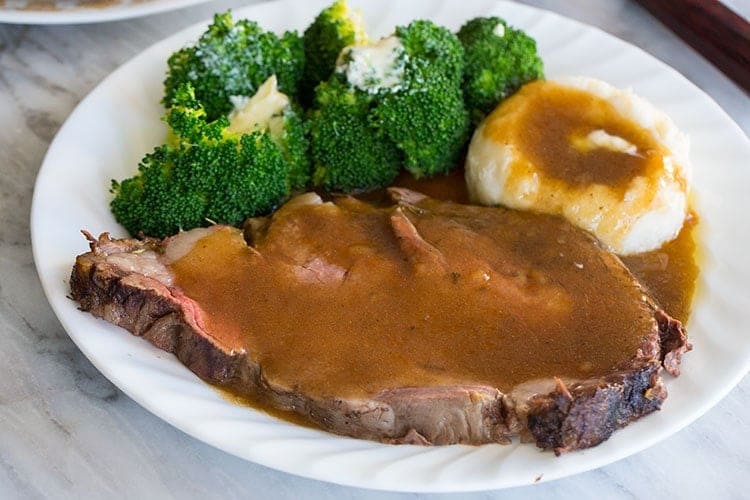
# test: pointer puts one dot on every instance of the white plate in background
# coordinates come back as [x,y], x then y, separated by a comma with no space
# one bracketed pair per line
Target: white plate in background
[83,11]
[118,122]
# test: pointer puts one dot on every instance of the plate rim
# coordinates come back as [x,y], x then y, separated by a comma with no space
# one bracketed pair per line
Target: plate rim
[88,15]
[195,432]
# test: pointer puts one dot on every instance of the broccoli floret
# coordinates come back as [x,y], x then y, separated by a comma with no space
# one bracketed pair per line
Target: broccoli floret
[426,117]
[152,203]
[402,106]
[429,125]
[427,43]
[499,59]
[336,27]
[208,174]
[234,59]
[292,138]
[273,112]
[349,154]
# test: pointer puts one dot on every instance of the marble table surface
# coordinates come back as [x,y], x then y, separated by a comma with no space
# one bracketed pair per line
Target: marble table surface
[67,432]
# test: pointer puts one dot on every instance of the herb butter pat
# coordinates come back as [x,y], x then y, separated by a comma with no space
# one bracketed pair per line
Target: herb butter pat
[376,67]
[258,112]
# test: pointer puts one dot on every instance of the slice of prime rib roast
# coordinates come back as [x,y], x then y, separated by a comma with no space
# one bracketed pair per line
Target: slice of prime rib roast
[418,321]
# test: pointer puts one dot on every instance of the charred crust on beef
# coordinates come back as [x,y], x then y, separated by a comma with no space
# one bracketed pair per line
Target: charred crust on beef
[586,414]
[672,341]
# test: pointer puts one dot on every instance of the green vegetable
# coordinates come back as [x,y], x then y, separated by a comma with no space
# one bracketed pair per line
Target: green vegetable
[234,59]
[499,59]
[349,154]
[406,109]
[336,27]
[272,112]
[208,173]
[427,118]
[431,45]
[292,138]
[429,125]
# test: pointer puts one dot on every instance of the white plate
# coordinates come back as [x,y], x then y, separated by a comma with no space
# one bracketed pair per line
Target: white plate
[83,11]
[119,121]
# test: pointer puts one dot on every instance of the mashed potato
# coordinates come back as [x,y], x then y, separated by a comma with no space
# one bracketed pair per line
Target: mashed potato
[603,158]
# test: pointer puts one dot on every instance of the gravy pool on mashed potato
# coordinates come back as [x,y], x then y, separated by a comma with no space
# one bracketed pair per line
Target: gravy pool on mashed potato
[603,158]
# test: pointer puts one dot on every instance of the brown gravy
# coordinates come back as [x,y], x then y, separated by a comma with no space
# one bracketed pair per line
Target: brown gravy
[234,396]
[552,128]
[497,314]
[669,273]
[450,187]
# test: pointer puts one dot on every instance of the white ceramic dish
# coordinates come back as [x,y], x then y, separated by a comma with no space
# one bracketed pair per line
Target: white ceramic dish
[119,121]
[78,11]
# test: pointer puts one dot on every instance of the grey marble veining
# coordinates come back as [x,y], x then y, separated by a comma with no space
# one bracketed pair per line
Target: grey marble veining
[66,432]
